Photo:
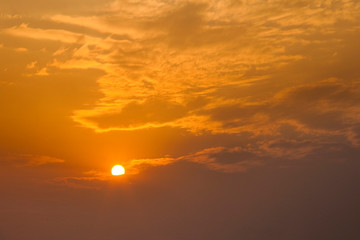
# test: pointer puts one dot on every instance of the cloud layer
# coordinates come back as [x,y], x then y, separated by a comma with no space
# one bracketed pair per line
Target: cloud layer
[258,80]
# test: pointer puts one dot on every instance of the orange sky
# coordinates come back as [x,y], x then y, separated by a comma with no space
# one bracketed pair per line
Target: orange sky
[231,97]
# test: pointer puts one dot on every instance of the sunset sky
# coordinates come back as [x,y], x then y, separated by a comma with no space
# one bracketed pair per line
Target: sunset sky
[234,119]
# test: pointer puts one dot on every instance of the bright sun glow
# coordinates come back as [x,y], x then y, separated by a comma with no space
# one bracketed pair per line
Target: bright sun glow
[118,170]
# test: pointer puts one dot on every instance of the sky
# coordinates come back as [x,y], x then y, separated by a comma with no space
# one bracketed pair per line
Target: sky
[234,119]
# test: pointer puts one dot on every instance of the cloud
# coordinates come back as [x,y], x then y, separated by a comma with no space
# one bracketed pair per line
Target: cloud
[283,74]
[156,111]
[274,153]
[257,153]
[41,160]
[223,159]
[228,160]
[24,30]
[224,45]
[213,53]
[21,50]
[118,31]
[88,180]
[42,7]
[136,165]
[218,158]
[182,25]
[31,65]
[30,160]
[97,180]
[328,106]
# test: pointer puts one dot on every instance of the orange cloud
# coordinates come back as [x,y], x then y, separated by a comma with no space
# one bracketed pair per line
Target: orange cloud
[24,30]
[219,68]
[135,165]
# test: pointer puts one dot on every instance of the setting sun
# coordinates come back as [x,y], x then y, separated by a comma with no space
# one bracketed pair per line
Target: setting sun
[118,170]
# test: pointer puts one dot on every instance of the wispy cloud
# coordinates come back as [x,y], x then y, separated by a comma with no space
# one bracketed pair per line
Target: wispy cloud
[135,165]
[24,30]
[88,180]
[30,160]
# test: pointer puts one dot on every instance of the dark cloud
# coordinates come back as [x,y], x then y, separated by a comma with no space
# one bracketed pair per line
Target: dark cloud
[326,105]
[152,111]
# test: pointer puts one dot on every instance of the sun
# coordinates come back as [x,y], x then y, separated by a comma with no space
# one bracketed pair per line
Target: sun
[118,170]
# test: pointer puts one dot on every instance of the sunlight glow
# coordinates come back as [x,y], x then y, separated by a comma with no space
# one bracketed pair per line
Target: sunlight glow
[118,170]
